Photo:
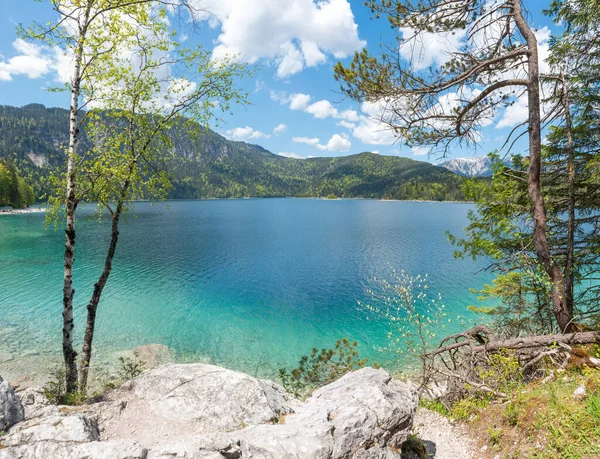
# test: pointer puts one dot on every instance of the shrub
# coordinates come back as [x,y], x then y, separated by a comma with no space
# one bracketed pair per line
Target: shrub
[130,368]
[56,393]
[321,367]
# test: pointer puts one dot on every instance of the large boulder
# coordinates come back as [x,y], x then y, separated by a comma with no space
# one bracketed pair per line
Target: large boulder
[11,408]
[364,414]
[181,401]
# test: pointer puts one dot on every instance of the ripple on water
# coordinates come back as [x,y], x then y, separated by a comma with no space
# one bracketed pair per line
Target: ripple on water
[244,283]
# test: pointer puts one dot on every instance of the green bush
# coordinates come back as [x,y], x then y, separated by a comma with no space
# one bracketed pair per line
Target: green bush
[130,368]
[321,367]
[55,390]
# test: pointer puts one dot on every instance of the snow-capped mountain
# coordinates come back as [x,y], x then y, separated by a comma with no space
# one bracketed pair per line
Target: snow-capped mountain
[480,166]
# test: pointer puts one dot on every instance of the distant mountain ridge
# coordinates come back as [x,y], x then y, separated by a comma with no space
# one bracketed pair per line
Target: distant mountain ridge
[469,167]
[214,167]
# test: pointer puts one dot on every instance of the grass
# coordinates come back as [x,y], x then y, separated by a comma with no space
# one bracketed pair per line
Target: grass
[539,420]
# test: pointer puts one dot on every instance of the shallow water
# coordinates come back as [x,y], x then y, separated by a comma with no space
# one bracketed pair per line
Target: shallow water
[250,284]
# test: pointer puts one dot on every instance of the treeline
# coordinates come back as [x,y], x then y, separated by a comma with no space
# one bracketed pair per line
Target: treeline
[247,172]
[207,165]
[14,189]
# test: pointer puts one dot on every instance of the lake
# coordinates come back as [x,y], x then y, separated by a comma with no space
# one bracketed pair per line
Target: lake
[250,284]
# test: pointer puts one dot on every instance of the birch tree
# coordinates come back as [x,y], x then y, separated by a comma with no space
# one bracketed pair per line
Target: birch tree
[166,91]
[491,60]
[87,33]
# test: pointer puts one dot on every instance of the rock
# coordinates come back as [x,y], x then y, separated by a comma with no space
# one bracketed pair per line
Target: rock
[121,449]
[365,407]
[217,446]
[57,427]
[203,411]
[11,408]
[213,398]
[364,414]
[579,392]
[154,355]
[58,434]
[34,401]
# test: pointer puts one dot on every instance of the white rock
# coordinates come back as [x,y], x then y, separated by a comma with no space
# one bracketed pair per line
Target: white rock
[215,398]
[360,415]
[202,411]
[579,392]
[11,408]
[121,449]
[54,427]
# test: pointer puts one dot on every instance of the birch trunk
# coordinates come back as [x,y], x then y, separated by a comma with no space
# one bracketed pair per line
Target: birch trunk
[558,295]
[92,306]
[69,353]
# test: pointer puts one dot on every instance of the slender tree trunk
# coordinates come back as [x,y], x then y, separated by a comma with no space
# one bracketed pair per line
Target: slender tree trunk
[69,353]
[569,262]
[558,295]
[71,205]
[92,307]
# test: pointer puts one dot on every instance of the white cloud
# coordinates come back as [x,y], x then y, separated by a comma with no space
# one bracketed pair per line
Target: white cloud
[279,129]
[306,140]
[291,33]
[291,62]
[420,151]
[322,109]
[349,115]
[30,62]
[514,114]
[299,101]
[288,154]
[312,54]
[543,37]
[346,124]
[336,143]
[245,133]
[370,130]
[426,49]
[366,127]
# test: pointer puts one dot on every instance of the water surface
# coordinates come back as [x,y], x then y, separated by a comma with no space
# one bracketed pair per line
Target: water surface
[249,284]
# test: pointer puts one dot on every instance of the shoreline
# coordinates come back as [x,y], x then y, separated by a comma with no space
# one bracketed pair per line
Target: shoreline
[319,198]
[37,210]
[27,210]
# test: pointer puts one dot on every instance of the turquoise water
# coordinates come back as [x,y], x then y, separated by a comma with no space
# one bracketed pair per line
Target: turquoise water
[247,284]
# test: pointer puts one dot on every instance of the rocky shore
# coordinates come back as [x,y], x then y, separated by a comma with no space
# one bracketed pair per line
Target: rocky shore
[194,411]
[204,411]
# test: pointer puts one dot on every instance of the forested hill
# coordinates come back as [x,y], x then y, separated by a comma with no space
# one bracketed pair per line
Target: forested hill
[34,137]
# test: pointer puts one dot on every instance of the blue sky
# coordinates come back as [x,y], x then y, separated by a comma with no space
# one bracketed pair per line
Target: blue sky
[296,108]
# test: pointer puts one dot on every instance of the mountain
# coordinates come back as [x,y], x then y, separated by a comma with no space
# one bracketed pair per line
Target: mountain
[470,167]
[213,167]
